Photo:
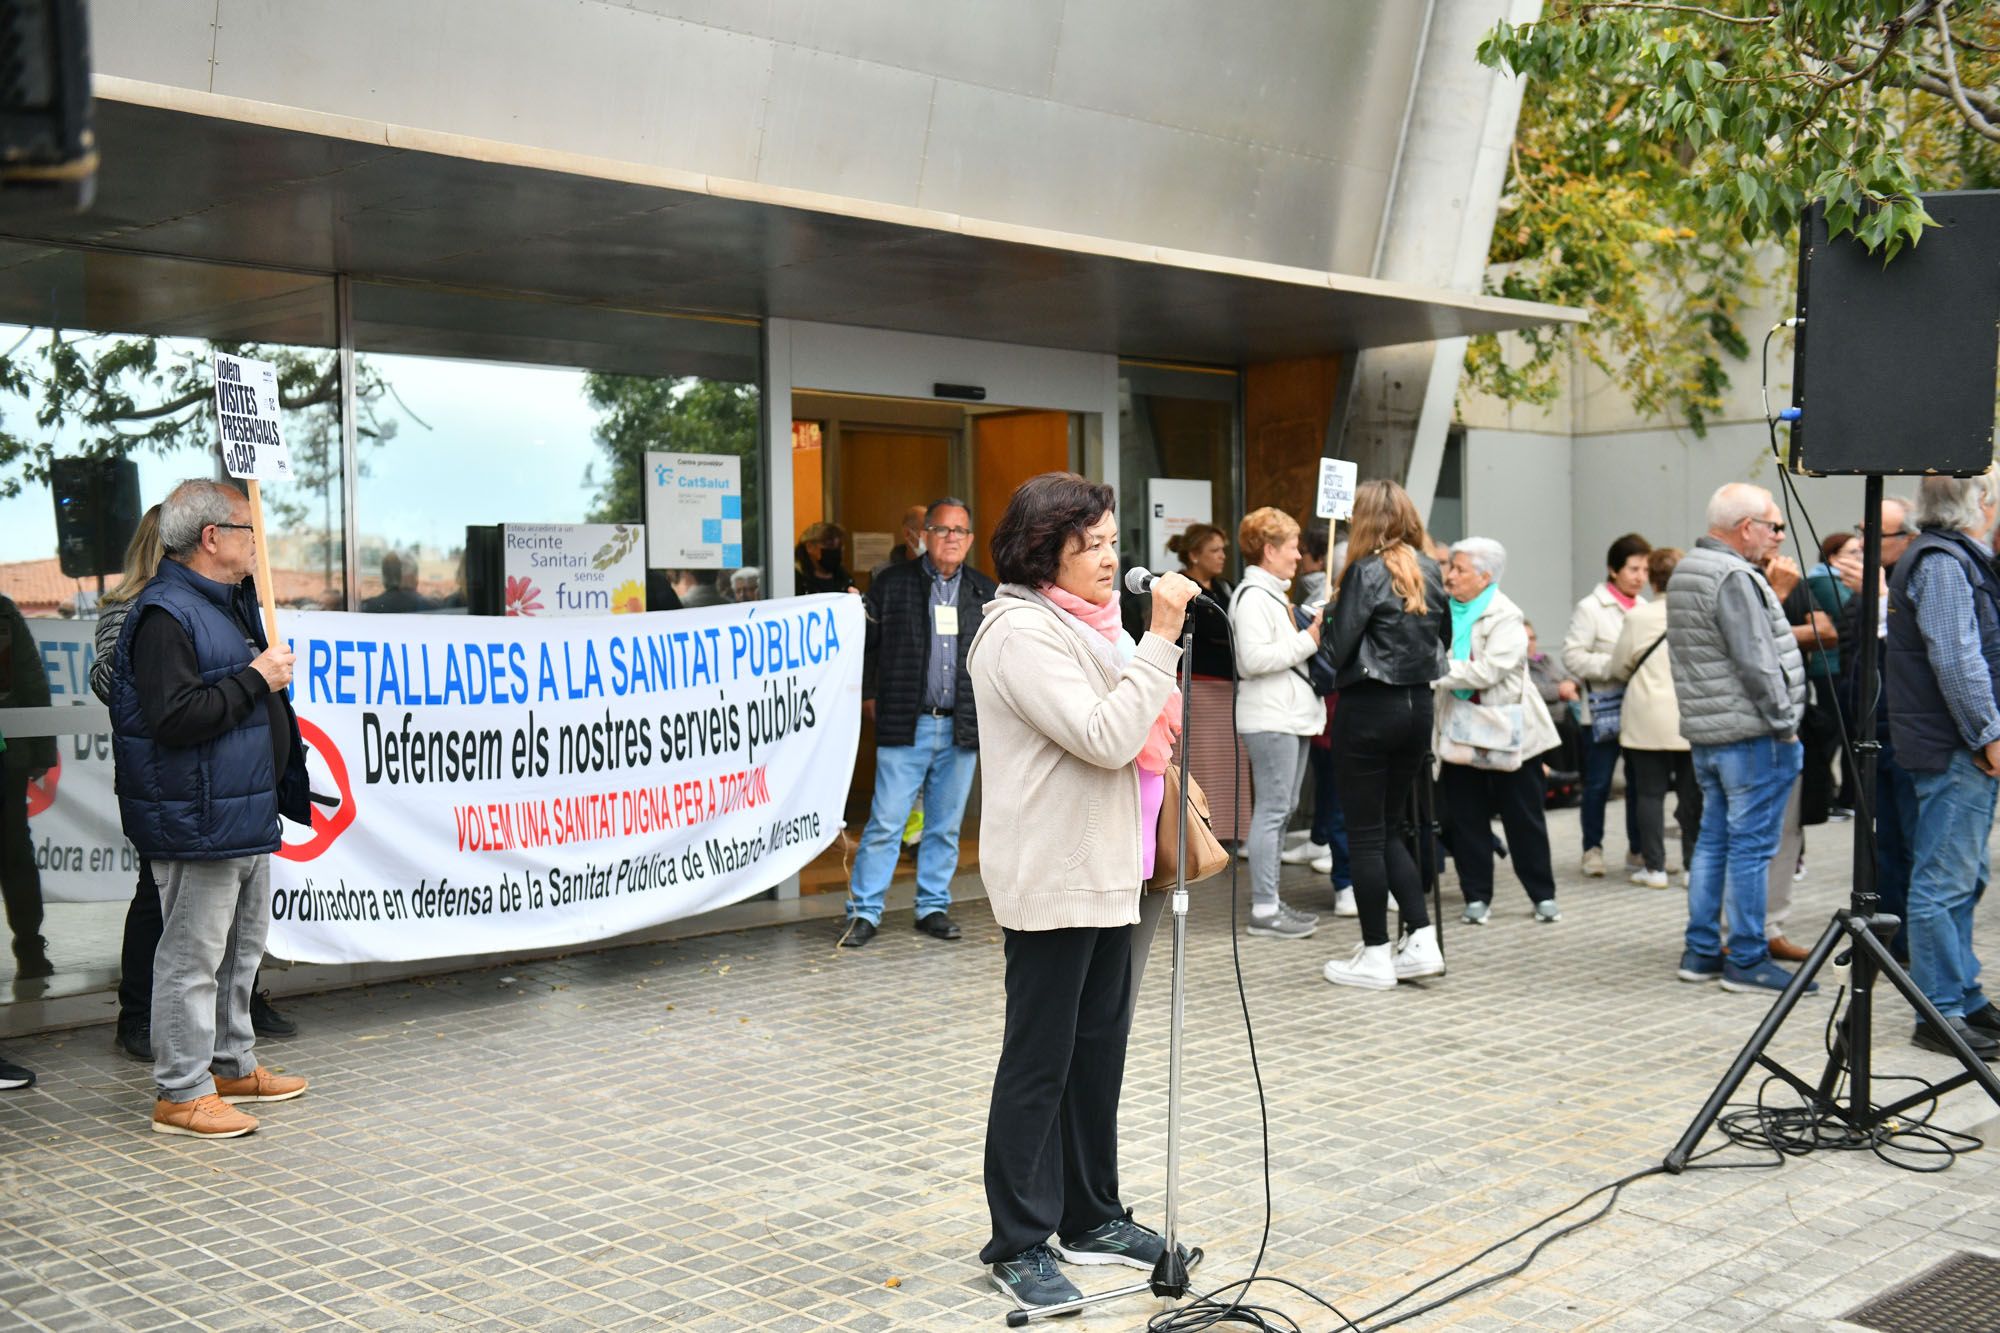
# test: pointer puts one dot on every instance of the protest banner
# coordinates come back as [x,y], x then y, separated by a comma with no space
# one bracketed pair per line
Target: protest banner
[73,825]
[511,783]
[1336,489]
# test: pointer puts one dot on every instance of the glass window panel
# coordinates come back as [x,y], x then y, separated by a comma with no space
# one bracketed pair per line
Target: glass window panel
[106,400]
[1180,424]
[474,411]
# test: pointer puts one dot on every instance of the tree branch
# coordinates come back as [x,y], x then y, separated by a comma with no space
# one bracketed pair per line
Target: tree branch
[1766,21]
[1978,122]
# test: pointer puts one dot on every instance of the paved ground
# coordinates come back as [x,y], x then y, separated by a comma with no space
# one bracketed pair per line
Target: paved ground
[757,1131]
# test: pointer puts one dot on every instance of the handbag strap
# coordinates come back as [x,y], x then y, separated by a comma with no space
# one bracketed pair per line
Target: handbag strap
[1241,588]
[1648,653]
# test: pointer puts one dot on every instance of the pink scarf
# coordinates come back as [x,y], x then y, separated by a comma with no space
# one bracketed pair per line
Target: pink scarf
[1159,747]
[1627,602]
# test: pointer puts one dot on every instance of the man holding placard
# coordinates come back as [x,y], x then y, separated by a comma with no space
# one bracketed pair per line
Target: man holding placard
[209,755]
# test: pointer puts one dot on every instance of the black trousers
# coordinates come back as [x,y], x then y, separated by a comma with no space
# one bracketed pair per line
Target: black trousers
[1381,740]
[1654,773]
[20,881]
[1052,1126]
[1471,798]
[143,924]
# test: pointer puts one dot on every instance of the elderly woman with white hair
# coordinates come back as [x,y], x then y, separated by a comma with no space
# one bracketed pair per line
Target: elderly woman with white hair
[1488,682]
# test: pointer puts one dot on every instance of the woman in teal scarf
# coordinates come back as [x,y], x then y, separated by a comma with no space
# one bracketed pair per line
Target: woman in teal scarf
[1489,667]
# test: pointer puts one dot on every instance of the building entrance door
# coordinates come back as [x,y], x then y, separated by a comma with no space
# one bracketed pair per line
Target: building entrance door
[865,464]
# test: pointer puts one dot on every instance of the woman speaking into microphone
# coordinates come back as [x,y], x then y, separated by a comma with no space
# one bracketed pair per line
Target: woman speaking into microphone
[1076,727]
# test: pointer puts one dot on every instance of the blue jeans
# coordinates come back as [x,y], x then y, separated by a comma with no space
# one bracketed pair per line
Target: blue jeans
[1600,762]
[1744,787]
[1329,823]
[1895,830]
[1947,874]
[943,773]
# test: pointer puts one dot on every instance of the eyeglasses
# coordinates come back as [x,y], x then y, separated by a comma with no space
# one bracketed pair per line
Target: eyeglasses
[1777,529]
[234,527]
[959,533]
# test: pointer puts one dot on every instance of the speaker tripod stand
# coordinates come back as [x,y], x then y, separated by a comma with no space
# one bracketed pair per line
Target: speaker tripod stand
[1856,925]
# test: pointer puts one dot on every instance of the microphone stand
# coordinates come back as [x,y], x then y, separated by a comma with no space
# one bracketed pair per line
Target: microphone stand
[1169,1279]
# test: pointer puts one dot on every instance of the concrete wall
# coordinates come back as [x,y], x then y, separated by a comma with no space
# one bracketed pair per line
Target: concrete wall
[1517,491]
[1264,129]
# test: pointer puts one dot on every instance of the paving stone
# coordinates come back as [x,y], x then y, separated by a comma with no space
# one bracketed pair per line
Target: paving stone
[798,1131]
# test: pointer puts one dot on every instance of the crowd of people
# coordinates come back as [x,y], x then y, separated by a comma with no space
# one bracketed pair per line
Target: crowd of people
[1722,675]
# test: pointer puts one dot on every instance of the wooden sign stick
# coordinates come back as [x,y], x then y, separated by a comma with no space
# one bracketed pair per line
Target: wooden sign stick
[267,595]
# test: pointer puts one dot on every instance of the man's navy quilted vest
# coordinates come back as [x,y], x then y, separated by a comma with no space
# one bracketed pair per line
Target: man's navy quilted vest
[1920,722]
[207,802]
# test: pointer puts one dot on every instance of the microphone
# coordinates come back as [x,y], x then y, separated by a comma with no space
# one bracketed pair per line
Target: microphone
[1139,580]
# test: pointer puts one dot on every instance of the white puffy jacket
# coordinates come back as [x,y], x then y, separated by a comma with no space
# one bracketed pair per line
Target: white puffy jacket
[1271,651]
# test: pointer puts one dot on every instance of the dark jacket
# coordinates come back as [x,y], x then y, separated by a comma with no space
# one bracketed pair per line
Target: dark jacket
[1370,637]
[899,649]
[24,683]
[219,798]
[1920,721]
[808,578]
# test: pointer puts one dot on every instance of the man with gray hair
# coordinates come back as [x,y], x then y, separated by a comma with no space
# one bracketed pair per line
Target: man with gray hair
[1943,693]
[208,757]
[1741,686]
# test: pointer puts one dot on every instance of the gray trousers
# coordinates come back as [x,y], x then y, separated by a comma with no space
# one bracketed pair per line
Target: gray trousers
[1278,768]
[215,917]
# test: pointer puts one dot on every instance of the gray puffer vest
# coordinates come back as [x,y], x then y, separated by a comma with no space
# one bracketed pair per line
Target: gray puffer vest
[1715,708]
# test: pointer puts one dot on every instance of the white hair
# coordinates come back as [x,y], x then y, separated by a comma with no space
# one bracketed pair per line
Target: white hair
[1733,503]
[1955,502]
[190,507]
[746,575]
[1487,556]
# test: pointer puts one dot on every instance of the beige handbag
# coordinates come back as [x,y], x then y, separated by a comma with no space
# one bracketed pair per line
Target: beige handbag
[1206,857]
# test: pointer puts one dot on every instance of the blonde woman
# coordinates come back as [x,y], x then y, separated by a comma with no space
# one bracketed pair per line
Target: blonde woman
[1387,640]
[1277,713]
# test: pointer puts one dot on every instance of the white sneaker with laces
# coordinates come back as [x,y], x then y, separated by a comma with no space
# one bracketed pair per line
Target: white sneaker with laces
[1650,879]
[1371,968]
[1304,854]
[1418,955]
[1343,902]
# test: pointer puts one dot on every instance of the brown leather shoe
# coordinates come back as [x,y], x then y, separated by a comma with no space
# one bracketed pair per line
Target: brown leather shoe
[1785,951]
[203,1118]
[260,1085]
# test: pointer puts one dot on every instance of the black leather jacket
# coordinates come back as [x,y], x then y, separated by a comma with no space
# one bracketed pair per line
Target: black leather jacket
[1370,637]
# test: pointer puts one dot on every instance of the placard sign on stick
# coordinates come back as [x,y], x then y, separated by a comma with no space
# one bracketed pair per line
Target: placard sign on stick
[1336,488]
[246,415]
[253,450]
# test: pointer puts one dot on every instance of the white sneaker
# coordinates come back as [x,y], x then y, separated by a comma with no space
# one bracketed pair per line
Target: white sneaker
[1323,863]
[1371,968]
[1418,955]
[1304,854]
[1343,903]
[1593,862]
[1650,879]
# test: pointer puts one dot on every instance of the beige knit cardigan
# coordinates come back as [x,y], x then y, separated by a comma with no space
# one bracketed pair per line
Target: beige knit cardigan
[1059,734]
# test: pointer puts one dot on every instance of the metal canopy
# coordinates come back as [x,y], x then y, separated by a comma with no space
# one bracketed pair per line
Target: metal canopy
[202,177]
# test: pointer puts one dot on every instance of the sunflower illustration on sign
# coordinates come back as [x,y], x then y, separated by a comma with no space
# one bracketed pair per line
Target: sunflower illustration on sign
[628,598]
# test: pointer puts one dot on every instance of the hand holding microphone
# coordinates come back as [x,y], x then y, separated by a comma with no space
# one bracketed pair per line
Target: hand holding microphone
[1171,595]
